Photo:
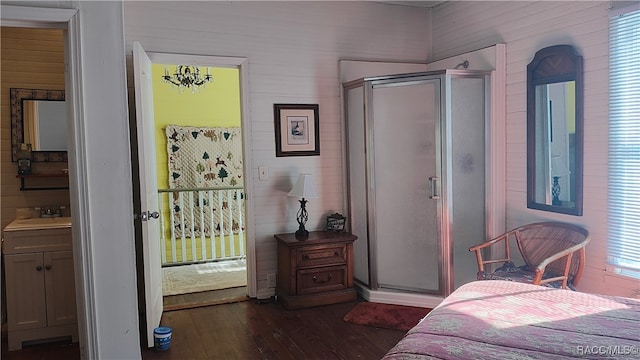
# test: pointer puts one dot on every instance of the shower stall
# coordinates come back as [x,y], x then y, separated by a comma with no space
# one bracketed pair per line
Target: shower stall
[416,153]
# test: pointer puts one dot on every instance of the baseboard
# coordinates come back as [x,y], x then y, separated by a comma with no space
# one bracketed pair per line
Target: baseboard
[204,298]
[398,298]
[265,293]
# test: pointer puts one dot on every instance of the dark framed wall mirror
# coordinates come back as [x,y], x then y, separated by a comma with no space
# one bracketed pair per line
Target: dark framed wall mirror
[555,130]
[39,118]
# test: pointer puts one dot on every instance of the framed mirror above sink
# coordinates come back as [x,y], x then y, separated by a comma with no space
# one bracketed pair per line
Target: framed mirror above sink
[39,118]
[555,130]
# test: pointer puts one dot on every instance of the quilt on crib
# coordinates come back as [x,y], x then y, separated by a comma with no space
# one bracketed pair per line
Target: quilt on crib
[205,158]
[497,319]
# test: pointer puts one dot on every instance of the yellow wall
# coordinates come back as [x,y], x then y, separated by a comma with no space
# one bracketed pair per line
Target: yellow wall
[216,105]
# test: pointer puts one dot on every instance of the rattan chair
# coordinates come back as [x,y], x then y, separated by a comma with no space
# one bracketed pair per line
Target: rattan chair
[549,252]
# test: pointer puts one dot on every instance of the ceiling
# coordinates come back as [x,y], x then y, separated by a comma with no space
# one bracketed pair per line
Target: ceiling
[426,4]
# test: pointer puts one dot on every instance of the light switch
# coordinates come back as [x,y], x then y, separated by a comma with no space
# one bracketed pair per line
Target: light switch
[263,172]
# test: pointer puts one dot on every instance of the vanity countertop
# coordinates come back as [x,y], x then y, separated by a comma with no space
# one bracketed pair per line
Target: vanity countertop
[39,223]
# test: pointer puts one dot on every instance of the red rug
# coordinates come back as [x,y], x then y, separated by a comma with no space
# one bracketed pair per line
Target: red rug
[388,316]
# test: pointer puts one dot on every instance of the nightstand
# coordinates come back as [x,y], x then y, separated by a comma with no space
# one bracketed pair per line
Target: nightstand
[315,271]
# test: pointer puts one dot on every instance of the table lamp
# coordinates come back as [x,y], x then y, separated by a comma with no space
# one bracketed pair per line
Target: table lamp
[303,189]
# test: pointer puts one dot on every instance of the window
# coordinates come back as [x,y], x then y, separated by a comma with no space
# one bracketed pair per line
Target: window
[624,142]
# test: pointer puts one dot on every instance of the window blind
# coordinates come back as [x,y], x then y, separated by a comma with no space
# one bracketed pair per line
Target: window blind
[624,143]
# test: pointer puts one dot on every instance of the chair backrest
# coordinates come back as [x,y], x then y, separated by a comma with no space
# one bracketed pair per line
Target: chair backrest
[538,241]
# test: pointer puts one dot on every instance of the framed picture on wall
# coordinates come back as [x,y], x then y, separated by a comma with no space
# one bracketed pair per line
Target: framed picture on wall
[297,129]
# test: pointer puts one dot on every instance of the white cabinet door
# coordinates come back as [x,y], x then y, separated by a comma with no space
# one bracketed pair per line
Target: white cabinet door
[25,291]
[60,288]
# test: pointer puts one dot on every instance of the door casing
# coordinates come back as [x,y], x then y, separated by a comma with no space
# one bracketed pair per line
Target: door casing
[242,64]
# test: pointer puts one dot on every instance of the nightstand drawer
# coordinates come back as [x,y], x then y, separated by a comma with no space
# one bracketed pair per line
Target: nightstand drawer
[322,255]
[321,279]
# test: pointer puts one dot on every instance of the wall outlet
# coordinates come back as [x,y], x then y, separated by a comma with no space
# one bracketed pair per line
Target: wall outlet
[271,280]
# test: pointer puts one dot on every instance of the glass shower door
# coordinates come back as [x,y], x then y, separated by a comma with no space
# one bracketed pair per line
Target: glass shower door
[405,123]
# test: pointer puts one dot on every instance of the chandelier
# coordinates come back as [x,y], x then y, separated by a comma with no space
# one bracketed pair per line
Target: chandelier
[187,76]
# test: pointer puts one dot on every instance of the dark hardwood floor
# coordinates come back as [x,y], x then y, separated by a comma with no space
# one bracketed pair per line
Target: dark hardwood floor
[254,330]
[250,329]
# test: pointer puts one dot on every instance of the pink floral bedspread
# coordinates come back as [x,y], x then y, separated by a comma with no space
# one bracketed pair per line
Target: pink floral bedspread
[509,320]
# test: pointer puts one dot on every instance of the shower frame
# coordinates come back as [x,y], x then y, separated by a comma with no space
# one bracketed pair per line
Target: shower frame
[362,176]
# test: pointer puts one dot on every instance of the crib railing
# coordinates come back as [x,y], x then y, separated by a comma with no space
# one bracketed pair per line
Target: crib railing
[199,225]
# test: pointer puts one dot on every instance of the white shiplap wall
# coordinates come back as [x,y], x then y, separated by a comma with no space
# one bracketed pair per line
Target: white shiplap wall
[526,27]
[293,49]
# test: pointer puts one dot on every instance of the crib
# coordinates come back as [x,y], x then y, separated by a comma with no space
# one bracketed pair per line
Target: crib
[200,225]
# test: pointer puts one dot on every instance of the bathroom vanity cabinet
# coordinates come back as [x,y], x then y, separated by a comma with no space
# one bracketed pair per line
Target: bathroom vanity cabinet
[40,285]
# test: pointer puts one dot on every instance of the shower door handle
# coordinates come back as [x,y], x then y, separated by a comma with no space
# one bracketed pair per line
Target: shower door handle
[433,188]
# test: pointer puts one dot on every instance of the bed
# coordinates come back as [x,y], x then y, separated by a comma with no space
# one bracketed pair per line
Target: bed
[509,320]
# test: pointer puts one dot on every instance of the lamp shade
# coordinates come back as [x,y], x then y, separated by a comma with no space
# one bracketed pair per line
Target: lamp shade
[304,187]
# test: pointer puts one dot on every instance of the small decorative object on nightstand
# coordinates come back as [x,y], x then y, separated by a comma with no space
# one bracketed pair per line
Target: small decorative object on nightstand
[316,271]
[335,222]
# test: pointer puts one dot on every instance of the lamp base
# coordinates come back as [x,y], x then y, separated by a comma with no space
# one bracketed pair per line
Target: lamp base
[302,233]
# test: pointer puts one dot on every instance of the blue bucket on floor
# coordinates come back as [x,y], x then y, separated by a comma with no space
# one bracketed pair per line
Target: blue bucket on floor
[162,338]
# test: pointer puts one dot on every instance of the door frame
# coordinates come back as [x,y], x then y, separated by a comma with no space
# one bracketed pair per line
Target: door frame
[242,64]
[68,20]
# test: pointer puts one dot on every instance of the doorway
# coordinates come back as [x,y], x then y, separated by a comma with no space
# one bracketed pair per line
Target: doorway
[148,248]
[34,61]
[198,138]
